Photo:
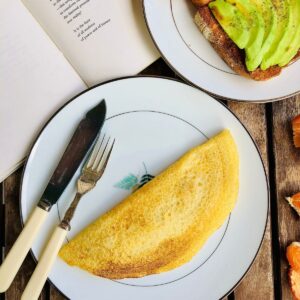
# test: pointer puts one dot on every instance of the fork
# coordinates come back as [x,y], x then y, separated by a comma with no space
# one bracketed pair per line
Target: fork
[90,174]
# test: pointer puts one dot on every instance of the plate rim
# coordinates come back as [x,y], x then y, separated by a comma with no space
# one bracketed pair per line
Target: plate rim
[270,100]
[156,77]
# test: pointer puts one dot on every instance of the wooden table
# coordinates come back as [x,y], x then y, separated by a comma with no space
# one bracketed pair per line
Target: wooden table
[270,126]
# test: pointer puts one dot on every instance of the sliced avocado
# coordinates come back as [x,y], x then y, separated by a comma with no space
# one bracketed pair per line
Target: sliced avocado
[232,21]
[270,22]
[268,30]
[254,14]
[293,47]
[231,14]
[284,14]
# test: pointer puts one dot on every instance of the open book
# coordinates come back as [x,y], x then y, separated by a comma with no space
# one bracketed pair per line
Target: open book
[50,50]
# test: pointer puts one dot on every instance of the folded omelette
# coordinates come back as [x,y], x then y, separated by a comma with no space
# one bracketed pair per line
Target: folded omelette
[162,225]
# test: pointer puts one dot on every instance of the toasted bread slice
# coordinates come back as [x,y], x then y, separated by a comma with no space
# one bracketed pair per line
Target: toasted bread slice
[163,224]
[226,48]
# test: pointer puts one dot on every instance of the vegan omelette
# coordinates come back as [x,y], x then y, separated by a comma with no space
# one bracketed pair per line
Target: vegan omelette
[162,225]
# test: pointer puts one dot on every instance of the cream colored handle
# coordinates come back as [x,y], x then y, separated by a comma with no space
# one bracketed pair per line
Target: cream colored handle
[40,274]
[19,250]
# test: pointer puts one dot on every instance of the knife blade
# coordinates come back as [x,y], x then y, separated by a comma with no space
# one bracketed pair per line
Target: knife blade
[80,143]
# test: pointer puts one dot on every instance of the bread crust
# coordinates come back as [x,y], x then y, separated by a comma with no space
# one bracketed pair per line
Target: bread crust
[227,49]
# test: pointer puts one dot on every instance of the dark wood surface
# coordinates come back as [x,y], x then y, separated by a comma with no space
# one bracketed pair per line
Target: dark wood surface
[270,127]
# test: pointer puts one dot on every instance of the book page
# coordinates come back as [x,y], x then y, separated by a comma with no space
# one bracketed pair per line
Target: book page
[101,39]
[35,80]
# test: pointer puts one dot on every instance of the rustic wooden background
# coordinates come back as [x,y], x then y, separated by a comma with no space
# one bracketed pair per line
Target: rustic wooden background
[270,126]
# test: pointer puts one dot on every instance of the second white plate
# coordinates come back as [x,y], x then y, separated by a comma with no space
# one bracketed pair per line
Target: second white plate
[182,45]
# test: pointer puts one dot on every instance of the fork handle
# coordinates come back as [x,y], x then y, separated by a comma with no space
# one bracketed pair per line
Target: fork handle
[19,250]
[40,274]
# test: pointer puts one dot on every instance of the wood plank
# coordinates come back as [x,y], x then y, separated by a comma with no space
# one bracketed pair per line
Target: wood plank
[13,227]
[55,293]
[159,68]
[287,176]
[258,283]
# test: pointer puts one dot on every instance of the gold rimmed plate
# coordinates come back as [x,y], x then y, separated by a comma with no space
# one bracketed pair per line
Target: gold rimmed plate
[154,121]
[190,55]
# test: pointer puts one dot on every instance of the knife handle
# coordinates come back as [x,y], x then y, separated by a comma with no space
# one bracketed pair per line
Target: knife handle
[40,274]
[19,250]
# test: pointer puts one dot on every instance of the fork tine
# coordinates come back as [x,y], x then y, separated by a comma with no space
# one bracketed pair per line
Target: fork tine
[95,151]
[102,169]
[99,156]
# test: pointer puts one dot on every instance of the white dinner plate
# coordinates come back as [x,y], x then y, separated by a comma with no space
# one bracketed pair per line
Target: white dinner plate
[154,121]
[182,45]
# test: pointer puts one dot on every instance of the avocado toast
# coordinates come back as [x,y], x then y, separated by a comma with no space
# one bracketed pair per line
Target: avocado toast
[163,224]
[256,38]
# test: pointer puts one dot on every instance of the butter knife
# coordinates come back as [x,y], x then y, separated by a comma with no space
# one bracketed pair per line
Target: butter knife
[80,143]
